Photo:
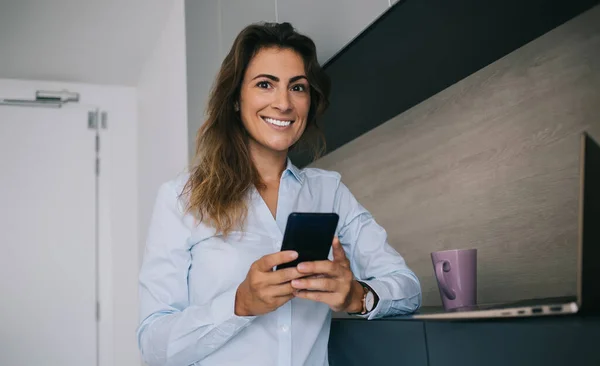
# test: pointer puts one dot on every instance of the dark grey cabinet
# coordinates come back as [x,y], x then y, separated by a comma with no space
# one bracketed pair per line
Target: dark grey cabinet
[547,341]
[376,342]
[572,341]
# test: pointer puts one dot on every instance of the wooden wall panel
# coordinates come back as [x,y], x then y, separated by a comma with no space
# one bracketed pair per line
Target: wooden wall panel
[490,163]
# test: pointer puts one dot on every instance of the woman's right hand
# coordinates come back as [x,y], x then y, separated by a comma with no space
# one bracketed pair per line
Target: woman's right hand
[264,290]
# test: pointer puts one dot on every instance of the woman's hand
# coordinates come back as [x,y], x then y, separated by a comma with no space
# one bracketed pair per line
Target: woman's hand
[330,282]
[264,290]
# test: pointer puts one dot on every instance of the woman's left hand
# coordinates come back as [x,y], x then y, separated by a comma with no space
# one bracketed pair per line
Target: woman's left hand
[330,282]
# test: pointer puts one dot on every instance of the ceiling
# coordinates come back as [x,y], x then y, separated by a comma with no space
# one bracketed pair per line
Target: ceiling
[89,41]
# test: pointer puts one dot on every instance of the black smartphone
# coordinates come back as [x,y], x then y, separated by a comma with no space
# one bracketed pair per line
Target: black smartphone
[310,234]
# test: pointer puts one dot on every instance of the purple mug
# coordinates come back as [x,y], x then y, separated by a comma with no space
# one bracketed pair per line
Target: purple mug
[456,274]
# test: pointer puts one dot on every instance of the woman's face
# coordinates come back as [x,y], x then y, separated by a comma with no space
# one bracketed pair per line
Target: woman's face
[275,99]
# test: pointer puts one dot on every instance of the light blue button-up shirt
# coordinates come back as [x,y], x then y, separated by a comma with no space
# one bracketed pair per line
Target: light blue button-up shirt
[190,274]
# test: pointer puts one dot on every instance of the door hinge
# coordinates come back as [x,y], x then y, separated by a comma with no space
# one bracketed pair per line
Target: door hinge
[103,120]
[93,120]
[97,166]
[97,143]
[97,311]
[97,120]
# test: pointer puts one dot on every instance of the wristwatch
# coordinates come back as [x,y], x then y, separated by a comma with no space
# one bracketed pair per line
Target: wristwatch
[369,300]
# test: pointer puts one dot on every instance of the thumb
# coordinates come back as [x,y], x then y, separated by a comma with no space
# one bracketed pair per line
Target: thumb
[338,252]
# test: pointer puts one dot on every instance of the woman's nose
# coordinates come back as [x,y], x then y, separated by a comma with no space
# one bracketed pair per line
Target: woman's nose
[282,101]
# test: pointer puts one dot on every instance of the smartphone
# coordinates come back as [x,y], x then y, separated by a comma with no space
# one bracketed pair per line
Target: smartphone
[310,234]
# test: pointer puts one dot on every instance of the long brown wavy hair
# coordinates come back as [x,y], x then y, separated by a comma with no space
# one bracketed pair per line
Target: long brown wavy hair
[222,172]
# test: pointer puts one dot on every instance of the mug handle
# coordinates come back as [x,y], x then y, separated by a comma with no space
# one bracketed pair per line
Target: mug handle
[440,268]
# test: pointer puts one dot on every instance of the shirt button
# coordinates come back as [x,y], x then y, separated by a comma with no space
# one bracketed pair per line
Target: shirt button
[285,328]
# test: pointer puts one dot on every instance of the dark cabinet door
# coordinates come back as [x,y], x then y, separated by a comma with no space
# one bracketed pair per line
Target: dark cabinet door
[377,342]
[572,341]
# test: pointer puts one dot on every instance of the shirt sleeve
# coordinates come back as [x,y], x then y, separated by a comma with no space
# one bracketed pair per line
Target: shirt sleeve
[373,261]
[172,331]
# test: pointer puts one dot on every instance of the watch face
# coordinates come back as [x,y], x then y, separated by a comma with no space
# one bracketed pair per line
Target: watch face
[369,300]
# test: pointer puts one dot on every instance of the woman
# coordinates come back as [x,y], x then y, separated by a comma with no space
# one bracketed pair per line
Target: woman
[209,295]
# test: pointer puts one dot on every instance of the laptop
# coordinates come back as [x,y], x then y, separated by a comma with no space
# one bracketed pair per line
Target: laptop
[587,299]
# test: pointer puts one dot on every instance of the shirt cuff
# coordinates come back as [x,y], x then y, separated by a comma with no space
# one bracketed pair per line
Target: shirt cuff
[223,312]
[385,300]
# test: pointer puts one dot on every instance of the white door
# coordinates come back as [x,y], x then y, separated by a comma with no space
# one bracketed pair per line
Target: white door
[47,237]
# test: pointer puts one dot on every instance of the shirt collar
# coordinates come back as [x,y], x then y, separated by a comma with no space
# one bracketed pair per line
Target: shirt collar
[297,173]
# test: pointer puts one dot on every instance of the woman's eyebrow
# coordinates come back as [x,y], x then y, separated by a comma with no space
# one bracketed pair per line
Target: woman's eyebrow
[275,78]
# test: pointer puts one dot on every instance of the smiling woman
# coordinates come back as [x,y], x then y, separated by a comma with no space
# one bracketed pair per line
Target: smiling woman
[208,290]
[270,78]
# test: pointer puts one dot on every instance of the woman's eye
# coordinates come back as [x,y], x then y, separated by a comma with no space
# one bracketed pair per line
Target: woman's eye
[263,84]
[299,88]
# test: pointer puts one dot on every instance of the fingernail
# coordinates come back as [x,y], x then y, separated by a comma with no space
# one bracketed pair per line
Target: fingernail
[294,255]
[302,267]
[295,282]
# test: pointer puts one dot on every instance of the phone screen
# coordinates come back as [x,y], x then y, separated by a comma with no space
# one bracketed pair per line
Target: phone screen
[310,234]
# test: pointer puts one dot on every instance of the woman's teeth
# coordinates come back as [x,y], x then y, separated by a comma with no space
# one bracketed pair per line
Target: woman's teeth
[277,122]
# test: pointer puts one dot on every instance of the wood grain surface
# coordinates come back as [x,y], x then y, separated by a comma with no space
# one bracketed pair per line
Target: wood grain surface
[489,163]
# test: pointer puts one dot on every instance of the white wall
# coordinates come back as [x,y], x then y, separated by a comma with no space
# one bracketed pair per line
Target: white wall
[133,164]
[162,111]
[211,27]
[98,42]
[202,25]
[118,239]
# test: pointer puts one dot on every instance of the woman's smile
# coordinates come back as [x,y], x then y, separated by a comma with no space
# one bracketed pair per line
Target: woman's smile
[278,123]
